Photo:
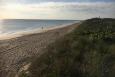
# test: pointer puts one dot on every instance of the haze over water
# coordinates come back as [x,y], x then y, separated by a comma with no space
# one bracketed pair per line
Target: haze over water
[15,27]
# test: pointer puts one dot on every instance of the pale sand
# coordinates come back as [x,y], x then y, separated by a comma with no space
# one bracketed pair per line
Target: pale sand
[7,36]
[16,52]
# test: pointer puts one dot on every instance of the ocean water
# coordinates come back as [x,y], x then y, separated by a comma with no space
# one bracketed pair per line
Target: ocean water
[15,27]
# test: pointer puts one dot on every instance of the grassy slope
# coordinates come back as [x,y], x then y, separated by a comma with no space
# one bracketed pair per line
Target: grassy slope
[88,51]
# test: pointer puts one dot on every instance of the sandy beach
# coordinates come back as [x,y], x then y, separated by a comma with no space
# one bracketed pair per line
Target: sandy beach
[16,52]
[6,36]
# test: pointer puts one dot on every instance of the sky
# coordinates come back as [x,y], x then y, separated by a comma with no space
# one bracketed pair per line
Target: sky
[56,9]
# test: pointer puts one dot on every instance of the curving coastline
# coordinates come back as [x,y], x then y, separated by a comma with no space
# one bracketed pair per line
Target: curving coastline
[16,52]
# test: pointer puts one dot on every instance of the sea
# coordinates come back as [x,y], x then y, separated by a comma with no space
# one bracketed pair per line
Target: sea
[15,27]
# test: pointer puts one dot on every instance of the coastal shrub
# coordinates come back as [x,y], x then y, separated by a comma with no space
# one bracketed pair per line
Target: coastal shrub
[88,51]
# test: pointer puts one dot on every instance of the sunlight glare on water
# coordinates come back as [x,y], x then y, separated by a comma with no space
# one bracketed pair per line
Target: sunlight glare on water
[17,27]
[1,26]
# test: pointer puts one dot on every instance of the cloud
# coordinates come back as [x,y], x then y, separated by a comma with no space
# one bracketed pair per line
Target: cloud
[58,10]
[37,1]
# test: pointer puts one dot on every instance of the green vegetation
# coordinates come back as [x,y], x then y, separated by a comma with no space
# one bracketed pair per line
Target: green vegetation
[88,51]
[23,74]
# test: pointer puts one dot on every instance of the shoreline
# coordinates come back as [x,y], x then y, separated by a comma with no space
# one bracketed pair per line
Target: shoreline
[14,53]
[9,36]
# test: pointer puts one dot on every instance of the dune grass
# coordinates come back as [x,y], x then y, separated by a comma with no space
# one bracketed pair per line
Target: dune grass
[88,51]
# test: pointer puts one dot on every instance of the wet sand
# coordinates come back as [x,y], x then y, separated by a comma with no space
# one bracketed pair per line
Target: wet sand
[16,52]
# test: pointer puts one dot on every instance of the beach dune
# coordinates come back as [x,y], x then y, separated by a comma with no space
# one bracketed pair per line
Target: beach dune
[16,52]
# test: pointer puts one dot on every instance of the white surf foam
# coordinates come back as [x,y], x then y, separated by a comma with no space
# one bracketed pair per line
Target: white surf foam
[9,35]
